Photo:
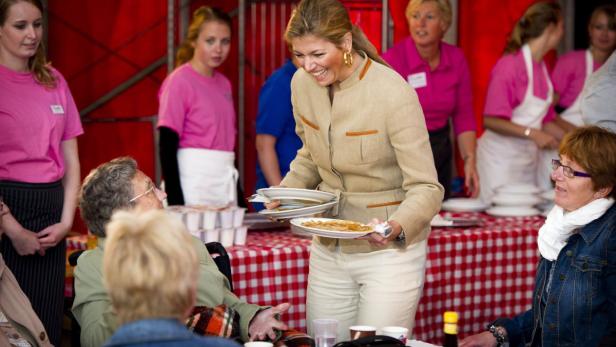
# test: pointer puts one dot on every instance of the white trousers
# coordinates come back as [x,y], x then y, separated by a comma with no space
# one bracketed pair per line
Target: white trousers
[380,288]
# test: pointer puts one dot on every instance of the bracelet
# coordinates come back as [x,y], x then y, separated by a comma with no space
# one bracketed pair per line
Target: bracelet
[527,132]
[498,332]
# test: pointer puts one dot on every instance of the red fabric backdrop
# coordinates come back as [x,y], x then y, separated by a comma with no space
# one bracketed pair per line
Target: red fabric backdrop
[99,45]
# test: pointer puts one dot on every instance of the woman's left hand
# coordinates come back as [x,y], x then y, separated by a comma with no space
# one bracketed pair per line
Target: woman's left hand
[50,236]
[378,239]
[471,178]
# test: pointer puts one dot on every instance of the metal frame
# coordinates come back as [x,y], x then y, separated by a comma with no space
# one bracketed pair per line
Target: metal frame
[184,16]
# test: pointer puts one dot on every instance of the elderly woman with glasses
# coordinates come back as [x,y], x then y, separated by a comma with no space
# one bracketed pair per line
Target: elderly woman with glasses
[574,302]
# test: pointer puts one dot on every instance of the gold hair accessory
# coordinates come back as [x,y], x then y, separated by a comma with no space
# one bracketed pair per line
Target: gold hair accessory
[347,57]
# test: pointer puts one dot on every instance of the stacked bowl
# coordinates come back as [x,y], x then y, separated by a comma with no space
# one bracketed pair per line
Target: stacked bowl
[516,200]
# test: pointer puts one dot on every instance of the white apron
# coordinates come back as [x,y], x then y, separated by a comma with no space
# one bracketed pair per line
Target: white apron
[503,159]
[573,114]
[207,177]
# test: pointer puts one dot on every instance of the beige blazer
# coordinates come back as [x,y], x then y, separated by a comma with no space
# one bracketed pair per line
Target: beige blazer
[18,310]
[370,146]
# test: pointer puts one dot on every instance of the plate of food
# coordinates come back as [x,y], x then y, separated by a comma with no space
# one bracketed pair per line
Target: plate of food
[334,228]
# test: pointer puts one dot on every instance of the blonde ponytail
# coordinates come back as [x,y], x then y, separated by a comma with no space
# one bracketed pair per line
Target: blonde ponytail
[532,24]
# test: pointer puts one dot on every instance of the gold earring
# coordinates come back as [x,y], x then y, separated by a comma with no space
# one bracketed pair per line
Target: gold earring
[347,57]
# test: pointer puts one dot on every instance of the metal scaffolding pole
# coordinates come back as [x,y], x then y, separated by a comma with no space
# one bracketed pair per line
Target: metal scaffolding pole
[241,94]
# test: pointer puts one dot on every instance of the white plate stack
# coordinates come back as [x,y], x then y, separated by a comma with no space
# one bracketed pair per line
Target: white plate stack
[212,224]
[516,200]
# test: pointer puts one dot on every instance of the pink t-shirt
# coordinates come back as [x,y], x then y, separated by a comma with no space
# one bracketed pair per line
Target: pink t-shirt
[198,108]
[508,83]
[447,90]
[34,120]
[569,76]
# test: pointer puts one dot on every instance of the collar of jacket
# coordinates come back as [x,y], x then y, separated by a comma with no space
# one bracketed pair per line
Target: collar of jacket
[606,222]
[358,74]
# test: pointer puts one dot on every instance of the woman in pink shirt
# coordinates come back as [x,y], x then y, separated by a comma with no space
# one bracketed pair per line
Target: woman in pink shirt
[197,117]
[572,69]
[39,165]
[439,73]
[519,119]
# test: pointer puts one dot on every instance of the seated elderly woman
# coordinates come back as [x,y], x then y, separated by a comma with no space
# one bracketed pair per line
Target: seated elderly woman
[120,185]
[150,271]
[574,301]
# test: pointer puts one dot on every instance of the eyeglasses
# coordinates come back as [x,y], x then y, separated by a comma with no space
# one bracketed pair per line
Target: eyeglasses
[152,187]
[567,171]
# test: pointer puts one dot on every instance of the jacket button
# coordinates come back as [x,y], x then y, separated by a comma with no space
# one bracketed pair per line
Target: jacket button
[561,277]
[552,326]
[42,336]
[569,253]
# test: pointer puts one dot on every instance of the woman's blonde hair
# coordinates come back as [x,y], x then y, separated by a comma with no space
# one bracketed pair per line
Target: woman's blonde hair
[202,15]
[329,20]
[532,24]
[594,149]
[443,6]
[37,64]
[150,266]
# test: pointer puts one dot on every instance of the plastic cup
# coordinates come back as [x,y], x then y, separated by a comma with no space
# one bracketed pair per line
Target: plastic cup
[359,331]
[226,237]
[209,219]
[258,344]
[226,218]
[193,220]
[238,216]
[399,333]
[240,235]
[325,332]
[212,235]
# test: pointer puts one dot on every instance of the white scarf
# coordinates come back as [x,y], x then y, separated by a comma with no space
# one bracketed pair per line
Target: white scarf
[559,225]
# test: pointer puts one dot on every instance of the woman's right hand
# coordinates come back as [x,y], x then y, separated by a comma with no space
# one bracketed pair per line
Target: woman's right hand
[543,139]
[484,339]
[26,242]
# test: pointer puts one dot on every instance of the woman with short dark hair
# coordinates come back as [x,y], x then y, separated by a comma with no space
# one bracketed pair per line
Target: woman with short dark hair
[574,301]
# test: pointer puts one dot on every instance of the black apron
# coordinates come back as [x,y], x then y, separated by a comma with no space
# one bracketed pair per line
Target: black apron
[443,157]
[36,206]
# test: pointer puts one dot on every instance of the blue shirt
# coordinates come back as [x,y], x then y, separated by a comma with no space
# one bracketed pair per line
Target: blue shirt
[275,117]
[162,333]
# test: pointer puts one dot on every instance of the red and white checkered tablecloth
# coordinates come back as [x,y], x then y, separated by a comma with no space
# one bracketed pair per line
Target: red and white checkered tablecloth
[271,269]
[482,272]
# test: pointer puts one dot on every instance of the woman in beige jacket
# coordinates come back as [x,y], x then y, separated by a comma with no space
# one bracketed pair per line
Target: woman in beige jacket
[364,139]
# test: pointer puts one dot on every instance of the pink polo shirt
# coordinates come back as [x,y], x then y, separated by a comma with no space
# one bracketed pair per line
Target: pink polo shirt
[34,120]
[569,76]
[508,83]
[446,92]
[198,108]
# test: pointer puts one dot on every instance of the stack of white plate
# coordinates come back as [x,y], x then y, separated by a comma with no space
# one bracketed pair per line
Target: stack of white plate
[516,200]
[295,202]
[464,205]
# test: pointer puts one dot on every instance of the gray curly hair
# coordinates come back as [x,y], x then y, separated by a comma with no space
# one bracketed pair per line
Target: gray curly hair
[106,189]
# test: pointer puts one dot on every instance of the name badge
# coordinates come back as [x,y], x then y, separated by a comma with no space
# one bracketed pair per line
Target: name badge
[57,109]
[417,80]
